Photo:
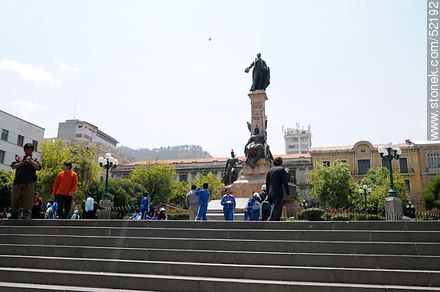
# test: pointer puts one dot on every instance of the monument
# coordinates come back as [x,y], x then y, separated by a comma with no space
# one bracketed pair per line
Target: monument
[257,151]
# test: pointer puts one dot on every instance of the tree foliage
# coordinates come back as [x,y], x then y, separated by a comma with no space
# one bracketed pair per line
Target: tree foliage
[378,179]
[6,179]
[53,154]
[122,191]
[431,195]
[331,185]
[157,179]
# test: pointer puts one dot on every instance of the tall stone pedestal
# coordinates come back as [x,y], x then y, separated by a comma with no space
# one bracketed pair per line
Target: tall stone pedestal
[393,208]
[250,180]
[258,110]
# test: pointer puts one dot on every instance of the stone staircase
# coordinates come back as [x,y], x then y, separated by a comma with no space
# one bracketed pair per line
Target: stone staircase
[94,255]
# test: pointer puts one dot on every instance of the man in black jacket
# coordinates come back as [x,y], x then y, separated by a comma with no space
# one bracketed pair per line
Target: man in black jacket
[276,185]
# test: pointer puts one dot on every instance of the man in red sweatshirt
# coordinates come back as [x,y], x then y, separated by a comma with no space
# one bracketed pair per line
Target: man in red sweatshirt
[65,185]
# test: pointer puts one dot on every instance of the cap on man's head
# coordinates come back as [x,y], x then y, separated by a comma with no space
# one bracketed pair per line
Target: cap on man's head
[28,146]
[263,187]
[161,209]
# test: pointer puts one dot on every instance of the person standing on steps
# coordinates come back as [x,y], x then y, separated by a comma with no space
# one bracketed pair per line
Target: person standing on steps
[203,196]
[65,185]
[23,187]
[192,202]
[276,185]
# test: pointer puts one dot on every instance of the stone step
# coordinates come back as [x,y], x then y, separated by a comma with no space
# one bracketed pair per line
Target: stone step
[320,235]
[25,287]
[298,225]
[369,261]
[183,283]
[299,246]
[229,271]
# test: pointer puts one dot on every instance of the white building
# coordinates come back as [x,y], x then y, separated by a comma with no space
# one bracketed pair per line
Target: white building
[16,132]
[297,140]
[76,131]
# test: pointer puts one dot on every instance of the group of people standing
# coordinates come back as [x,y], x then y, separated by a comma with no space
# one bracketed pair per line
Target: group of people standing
[23,189]
[197,202]
[267,204]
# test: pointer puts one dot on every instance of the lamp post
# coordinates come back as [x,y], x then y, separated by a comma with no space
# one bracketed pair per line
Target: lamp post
[107,162]
[392,204]
[390,152]
[410,210]
[304,204]
[365,190]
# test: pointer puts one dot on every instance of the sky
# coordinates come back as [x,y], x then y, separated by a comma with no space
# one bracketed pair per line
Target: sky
[165,73]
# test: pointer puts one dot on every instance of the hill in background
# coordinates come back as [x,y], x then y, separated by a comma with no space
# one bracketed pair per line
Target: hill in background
[165,153]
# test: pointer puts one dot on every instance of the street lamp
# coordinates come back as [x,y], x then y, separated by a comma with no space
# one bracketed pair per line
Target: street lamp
[390,152]
[410,210]
[107,162]
[304,204]
[365,190]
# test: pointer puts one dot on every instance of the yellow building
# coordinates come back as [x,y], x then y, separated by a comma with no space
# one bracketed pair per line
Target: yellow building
[418,163]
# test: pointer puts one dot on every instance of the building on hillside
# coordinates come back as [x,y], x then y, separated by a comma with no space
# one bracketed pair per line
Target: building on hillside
[15,132]
[418,163]
[76,132]
[298,165]
[297,140]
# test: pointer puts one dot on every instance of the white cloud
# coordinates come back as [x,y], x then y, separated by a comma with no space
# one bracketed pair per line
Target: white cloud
[26,106]
[37,75]
[63,67]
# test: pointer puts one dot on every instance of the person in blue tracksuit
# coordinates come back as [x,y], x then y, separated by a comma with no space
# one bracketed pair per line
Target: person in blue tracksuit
[144,206]
[203,195]
[51,211]
[228,203]
[252,208]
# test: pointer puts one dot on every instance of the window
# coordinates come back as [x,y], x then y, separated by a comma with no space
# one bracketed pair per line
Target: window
[35,144]
[363,166]
[78,135]
[2,156]
[403,165]
[344,161]
[80,126]
[87,137]
[292,146]
[326,163]
[183,177]
[20,140]
[5,134]
[433,159]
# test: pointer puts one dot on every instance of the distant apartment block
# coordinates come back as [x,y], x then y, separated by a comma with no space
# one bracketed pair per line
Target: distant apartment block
[298,140]
[76,132]
[15,132]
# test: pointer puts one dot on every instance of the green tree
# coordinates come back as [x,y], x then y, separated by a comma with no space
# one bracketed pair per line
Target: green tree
[215,184]
[6,179]
[331,185]
[179,191]
[83,159]
[157,179]
[53,155]
[431,195]
[378,179]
